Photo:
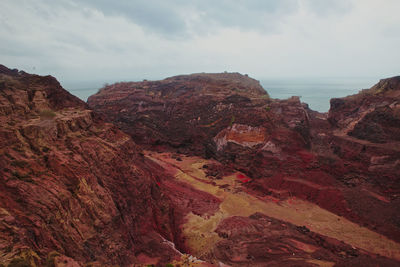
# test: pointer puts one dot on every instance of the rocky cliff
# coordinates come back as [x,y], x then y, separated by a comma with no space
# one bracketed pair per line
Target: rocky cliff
[223,131]
[73,189]
[196,170]
[372,115]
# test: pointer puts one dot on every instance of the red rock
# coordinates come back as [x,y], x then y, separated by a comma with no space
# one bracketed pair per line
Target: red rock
[281,145]
[75,184]
[72,183]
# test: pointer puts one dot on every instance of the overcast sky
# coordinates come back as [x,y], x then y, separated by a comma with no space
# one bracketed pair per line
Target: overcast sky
[100,40]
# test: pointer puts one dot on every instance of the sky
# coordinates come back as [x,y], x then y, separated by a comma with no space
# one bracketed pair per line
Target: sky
[98,40]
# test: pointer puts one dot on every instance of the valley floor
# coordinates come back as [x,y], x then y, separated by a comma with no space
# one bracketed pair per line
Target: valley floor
[203,235]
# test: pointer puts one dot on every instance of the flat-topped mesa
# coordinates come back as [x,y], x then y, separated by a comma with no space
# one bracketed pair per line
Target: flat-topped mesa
[180,88]
[234,83]
[186,112]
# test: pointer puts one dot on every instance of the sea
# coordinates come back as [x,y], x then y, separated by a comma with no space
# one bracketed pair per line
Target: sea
[316,92]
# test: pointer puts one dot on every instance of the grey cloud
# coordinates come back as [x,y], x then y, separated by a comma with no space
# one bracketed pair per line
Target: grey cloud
[158,16]
[171,17]
[180,18]
[248,15]
[121,39]
[324,8]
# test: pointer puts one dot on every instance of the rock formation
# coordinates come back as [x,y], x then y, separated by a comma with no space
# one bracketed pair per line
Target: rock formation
[283,149]
[196,170]
[73,188]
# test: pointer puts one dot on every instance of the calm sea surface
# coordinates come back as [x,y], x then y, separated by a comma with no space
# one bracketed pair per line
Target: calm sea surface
[316,92]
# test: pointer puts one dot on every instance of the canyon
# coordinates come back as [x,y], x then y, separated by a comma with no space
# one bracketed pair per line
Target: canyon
[196,170]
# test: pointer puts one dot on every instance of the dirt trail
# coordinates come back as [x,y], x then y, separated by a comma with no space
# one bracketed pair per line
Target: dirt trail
[199,230]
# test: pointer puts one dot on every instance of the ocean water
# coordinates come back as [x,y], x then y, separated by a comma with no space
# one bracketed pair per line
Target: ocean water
[316,92]
[84,92]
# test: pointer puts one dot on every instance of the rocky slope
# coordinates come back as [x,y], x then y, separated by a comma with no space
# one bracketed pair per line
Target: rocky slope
[73,189]
[372,115]
[282,149]
[216,170]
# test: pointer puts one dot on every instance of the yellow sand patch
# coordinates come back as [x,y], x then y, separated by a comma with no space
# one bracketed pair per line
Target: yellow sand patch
[322,263]
[235,202]
[303,246]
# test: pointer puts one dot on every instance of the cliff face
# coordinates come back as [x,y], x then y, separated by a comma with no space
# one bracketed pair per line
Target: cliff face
[269,140]
[275,150]
[206,164]
[366,128]
[372,115]
[72,185]
[179,112]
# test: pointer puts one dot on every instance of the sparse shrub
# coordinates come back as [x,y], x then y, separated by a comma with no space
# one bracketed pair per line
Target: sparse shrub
[19,262]
[169,265]
[18,148]
[47,114]
[232,120]
[266,96]
[19,163]
[50,258]
[22,177]
[105,85]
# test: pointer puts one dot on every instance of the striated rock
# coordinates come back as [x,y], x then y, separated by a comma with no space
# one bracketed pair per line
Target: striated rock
[259,240]
[73,184]
[246,229]
[183,112]
[283,147]
[372,115]
[217,174]
[240,134]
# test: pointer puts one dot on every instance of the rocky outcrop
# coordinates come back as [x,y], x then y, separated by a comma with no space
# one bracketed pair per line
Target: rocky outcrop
[372,115]
[183,112]
[73,189]
[367,127]
[284,148]
[216,170]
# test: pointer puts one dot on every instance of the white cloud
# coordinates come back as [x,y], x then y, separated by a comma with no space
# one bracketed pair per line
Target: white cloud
[298,38]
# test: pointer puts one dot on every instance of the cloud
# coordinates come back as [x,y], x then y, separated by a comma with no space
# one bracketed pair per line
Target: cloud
[131,40]
[184,18]
[328,8]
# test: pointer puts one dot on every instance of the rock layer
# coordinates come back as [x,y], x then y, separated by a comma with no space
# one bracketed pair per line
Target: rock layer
[227,175]
[284,149]
[72,185]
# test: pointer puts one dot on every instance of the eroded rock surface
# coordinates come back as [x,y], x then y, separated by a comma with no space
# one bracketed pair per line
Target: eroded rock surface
[227,176]
[73,189]
[284,149]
